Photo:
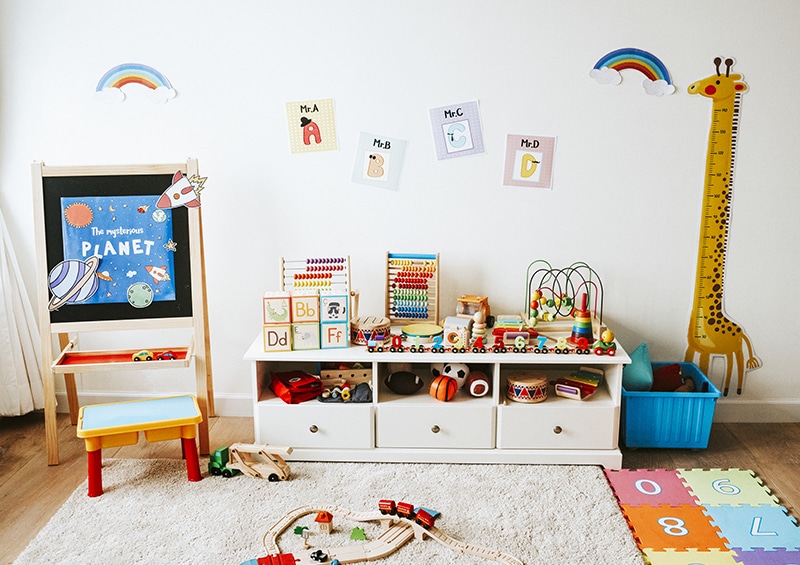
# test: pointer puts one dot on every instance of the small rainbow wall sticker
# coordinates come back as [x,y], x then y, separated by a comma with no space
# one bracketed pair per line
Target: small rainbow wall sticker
[657,81]
[111,84]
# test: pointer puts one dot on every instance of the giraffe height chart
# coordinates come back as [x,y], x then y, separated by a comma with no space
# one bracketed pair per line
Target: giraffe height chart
[711,332]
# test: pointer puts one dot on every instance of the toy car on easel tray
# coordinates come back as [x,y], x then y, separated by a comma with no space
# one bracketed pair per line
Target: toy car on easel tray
[143,355]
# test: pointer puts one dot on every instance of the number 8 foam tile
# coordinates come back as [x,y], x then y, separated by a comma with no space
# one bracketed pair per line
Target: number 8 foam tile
[691,557]
[645,487]
[732,487]
[672,527]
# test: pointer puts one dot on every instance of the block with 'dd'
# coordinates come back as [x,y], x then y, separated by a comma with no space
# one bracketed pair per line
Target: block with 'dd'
[277,337]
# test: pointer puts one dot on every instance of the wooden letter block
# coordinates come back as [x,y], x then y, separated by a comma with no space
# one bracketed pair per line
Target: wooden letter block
[305,308]
[278,337]
[334,308]
[276,308]
[334,335]
[305,336]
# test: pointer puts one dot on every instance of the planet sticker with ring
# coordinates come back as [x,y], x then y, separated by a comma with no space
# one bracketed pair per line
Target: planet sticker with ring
[140,295]
[72,281]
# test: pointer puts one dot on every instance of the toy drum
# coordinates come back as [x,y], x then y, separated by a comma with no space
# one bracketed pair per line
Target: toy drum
[421,333]
[529,387]
[366,328]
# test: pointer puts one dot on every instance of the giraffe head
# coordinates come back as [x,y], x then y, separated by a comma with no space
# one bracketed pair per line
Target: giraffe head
[719,86]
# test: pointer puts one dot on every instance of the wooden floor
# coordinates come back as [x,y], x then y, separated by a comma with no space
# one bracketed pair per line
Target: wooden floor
[31,491]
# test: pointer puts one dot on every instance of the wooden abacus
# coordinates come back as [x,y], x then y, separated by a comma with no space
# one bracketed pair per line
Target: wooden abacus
[328,274]
[412,288]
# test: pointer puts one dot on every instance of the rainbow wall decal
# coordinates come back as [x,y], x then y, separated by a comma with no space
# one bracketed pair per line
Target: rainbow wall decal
[657,80]
[110,84]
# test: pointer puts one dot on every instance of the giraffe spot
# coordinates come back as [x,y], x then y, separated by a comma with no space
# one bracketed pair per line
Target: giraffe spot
[711,321]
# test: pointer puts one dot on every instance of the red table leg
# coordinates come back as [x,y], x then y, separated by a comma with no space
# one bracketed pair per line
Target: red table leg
[95,472]
[192,459]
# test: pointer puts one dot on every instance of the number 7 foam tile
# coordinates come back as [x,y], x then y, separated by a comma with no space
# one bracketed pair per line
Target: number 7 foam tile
[672,527]
[645,487]
[732,487]
[752,527]
[691,557]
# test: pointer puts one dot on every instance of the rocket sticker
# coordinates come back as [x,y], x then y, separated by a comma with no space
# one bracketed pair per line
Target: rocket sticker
[182,192]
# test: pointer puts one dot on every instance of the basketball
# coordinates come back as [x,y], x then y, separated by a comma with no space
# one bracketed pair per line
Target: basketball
[443,388]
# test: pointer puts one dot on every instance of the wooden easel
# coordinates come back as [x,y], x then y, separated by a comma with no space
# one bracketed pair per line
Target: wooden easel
[189,310]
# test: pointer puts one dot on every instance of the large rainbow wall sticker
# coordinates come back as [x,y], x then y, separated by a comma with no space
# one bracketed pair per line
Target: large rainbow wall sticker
[657,81]
[110,87]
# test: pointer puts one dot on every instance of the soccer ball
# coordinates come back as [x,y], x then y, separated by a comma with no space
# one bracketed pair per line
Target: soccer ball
[457,371]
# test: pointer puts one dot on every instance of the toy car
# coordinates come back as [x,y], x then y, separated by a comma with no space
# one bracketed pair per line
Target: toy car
[166,356]
[319,555]
[143,355]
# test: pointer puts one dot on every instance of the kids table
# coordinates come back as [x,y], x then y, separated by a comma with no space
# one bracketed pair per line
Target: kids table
[119,423]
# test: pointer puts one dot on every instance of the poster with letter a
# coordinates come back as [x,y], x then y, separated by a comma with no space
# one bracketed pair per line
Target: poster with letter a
[529,161]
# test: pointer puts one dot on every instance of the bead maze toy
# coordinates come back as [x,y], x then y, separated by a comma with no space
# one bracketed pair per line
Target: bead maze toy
[412,288]
[574,293]
[401,522]
[705,516]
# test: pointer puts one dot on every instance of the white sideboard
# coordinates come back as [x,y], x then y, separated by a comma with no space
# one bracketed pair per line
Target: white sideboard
[419,428]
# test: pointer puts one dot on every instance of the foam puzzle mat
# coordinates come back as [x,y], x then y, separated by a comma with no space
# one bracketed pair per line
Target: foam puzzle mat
[705,517]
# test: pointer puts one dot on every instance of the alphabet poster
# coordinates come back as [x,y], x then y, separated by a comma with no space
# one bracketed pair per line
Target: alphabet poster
[129,240]
[529,161]
[312,125]
[457,130]
[378,160]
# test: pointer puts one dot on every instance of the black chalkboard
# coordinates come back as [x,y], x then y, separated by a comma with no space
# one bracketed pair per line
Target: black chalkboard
[99,189]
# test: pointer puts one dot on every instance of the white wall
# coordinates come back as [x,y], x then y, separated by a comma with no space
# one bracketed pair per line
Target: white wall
[629,167]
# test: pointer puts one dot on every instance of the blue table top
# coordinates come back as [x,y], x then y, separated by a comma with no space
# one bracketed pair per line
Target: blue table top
[138,415]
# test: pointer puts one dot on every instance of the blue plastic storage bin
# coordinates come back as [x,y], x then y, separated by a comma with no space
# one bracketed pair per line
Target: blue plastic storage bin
[669,419]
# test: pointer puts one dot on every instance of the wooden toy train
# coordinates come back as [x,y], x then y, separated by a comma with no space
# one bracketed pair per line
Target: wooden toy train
[424,517]
[505,340]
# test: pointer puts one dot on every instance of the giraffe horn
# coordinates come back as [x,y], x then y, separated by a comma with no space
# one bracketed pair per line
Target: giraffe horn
[728,65]
[717,63]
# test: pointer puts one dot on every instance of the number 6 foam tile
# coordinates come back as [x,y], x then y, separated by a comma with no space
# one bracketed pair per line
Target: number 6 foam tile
[691,557]
[733,487]
[645,487]
[672,527]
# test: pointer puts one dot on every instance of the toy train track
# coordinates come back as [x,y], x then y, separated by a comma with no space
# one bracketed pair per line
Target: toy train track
[401,529]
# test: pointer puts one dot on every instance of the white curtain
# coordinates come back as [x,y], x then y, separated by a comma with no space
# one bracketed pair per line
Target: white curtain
[20,358]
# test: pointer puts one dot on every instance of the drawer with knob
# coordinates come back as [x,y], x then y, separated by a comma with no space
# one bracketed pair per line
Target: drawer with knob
[559,423]
[440,425]
[316,425]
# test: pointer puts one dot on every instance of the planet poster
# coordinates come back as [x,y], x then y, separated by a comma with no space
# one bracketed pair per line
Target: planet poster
[131,242]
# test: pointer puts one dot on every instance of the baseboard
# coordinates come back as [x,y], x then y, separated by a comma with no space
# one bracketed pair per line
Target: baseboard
[224,404]
[757,411]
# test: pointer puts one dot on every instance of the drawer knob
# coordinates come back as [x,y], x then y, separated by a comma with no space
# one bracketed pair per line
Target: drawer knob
[313,429]
[436,429]
[557,430]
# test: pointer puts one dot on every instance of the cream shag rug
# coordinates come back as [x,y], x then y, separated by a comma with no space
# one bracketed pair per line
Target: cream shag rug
[150,513]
